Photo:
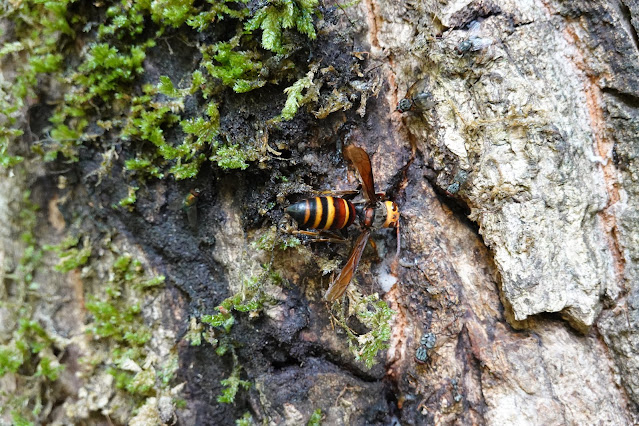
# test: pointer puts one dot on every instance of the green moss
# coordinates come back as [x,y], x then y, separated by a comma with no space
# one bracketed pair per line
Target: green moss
[279,15]
[9,113]
[151,282]
[236,69]
[105,73]
[142,383]
[143,165]
[172,12]
[167,373]
[39,26]
[124,20]
[316,418]
[375,315]
[218,10]
[111,321]
[107,69]
[223,318]
[19,420]
[27,352]
[251,298]
[71,257]
[245,420]
[112,63]
[269,239]
[122,265]
[194,333]
[117,322]
[31,258]
[202,132]
[49,368]
[233,157]
[10,360]
[231,386]
[130,199]
[166,87]
[294,96]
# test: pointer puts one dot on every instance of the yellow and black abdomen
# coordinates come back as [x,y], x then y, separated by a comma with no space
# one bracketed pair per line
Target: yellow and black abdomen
[322,213]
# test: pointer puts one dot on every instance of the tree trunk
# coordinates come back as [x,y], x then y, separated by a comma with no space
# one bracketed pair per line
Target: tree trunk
[514,293]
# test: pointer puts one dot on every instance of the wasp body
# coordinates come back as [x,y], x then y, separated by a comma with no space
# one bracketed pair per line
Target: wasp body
[325,213]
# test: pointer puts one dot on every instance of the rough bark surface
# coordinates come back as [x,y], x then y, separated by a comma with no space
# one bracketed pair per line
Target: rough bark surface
[515,293]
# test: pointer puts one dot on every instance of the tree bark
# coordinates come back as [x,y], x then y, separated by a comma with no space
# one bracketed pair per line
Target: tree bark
[515,292]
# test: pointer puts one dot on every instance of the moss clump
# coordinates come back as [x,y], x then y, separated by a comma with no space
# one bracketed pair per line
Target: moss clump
[29,357]
[295,98]
[237,69]
[232,156]
[375,315]
[101,78]
[280,15]
[116,322]
[232,384]
[39,28]
[316,418]
[110,321]
[251,298]
[98,86]
[130,270]
[28,352]
[71,257]
[269,240]
[194,333]
[130,199]
[245,420]
[31,257]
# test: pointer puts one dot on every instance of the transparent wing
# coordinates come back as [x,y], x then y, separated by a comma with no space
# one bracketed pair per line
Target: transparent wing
[480,43]
[473,29]
[191,215]
[417,87]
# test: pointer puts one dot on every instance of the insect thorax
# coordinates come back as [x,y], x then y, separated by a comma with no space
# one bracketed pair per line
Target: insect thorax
[404,104]
[382,215]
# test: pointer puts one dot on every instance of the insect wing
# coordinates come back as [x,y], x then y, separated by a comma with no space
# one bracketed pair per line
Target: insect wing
[412,90]
[191,215]
[362,163]
[423,101]
[473,29]
[338,287]
[420,86]
[480,43]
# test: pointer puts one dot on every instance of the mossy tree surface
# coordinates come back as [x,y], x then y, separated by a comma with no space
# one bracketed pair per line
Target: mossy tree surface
[113,113]
[148,150]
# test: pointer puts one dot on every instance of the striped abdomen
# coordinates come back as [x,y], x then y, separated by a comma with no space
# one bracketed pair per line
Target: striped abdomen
[323,213]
